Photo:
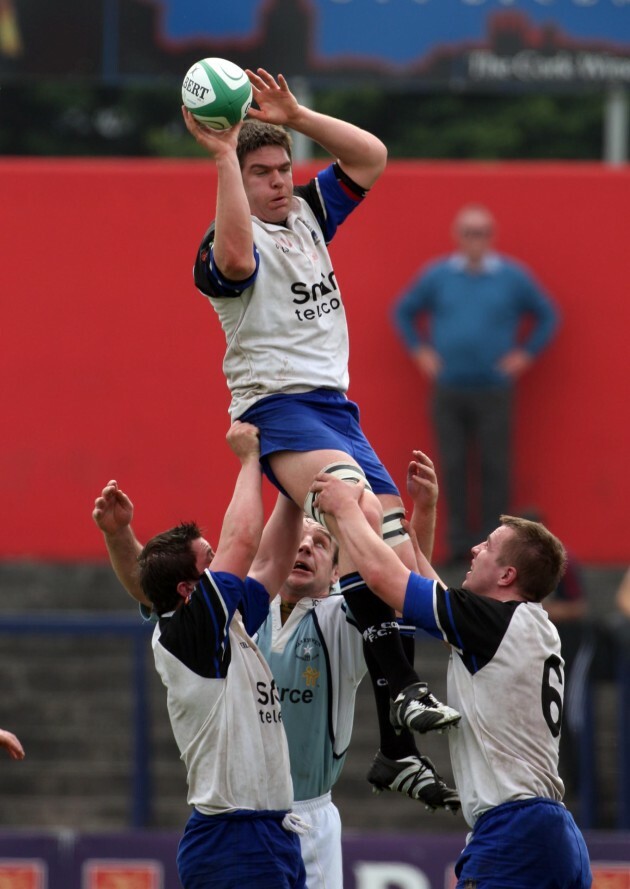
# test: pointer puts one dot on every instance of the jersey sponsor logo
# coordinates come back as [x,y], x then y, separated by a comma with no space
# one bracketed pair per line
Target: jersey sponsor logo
[314,292]
[297,695]
[268,700]
[316,300]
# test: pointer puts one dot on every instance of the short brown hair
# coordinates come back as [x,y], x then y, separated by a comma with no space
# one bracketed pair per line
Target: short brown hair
[167,560]
[540,558]
[256,134]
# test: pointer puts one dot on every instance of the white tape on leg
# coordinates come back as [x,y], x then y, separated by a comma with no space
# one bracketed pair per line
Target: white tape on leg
[393,532]
[347,472]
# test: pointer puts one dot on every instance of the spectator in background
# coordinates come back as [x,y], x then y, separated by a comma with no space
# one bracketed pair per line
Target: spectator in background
[461,322]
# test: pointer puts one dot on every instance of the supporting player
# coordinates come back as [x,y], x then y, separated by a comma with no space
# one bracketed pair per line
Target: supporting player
[505,675]
[222,701]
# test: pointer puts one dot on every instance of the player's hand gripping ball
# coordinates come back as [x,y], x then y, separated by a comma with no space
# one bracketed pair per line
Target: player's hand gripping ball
[217,92]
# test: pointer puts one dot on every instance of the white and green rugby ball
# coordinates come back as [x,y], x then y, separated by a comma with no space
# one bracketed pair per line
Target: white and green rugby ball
[217,92]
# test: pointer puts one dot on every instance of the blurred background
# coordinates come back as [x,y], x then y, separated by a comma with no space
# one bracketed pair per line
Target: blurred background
[111,368]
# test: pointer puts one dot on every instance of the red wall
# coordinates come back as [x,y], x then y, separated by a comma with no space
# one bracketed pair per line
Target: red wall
[111,362]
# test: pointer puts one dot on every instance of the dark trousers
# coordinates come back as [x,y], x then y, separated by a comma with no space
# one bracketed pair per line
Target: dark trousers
[473,429]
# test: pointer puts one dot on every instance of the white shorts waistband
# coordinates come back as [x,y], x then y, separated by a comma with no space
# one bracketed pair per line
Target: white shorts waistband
[303,806]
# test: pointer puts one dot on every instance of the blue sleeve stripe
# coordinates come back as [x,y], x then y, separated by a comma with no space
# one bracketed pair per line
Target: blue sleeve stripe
[449,611]
[222,285]
[338,202]
[219,634]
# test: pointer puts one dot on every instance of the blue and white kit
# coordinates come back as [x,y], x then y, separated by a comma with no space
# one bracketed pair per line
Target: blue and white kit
[506,678]
[225,716]
[286,329]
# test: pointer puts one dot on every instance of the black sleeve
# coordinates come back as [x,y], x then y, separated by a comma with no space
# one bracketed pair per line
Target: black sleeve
[475,626]
[200,274]
[310,194]
[197,634]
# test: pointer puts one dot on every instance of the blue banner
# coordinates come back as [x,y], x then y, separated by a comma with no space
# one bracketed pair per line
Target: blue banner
[401,32]
[456,42]
[426,43]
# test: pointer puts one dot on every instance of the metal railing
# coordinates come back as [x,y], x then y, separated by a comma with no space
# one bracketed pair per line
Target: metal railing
[138,632]
[108,624]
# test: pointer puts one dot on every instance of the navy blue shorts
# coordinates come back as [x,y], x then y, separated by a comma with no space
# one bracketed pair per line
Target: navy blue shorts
[527,844]
[240,850]
[320,420]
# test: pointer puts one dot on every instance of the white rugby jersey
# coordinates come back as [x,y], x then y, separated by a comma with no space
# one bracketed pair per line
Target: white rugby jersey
[222,700]
[317,661]
[286,326]
[506,678]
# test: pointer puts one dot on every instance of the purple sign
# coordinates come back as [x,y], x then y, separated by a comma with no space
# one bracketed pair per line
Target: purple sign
[146,860]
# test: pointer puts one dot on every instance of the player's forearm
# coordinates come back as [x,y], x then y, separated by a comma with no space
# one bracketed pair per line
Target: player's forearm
[423,524]
[377,563]
[123,549]
[244,518]
[234,238]
[279,544]
[362,155]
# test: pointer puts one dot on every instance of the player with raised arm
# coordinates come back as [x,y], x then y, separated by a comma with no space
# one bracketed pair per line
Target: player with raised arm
[505,676]
[222,699]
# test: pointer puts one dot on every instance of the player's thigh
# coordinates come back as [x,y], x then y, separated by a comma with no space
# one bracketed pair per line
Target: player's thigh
[295,470]
[404,550]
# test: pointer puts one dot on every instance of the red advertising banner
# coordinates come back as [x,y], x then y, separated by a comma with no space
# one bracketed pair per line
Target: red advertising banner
[610,875]
[23,874]
[122,875]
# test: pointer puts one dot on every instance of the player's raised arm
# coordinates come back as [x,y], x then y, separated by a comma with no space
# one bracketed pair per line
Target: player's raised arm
[244,518]
[233,239]
[280,541]
[113,514]
[362,155]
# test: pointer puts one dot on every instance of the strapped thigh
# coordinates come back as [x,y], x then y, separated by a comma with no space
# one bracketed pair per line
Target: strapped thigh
[347,472]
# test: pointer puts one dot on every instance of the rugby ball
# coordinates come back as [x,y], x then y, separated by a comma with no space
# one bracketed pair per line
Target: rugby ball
[217,92]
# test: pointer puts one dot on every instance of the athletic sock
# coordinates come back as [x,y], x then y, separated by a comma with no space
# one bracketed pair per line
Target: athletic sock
[381,633]
[392,745]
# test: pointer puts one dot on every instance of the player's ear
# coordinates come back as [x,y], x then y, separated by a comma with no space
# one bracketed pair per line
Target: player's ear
[185,588]
[508,576]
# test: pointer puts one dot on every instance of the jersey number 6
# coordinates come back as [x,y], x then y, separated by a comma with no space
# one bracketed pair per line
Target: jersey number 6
[551,697]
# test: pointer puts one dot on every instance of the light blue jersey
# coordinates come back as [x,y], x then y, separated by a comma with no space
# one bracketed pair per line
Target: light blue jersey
[317,661]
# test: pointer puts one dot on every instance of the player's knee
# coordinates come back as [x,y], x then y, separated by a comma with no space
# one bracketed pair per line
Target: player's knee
[350,473]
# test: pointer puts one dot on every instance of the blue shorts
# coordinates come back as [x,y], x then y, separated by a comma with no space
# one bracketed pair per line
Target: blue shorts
[527,844]
[240,849]
[320,420]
